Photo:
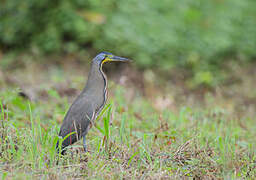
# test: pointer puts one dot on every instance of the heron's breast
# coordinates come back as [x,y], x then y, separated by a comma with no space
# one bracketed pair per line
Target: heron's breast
[105,96]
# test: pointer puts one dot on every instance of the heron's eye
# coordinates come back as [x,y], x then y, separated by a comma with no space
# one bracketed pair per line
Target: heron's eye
[106,56]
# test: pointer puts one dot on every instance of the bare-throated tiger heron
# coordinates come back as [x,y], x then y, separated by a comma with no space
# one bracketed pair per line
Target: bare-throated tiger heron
[88,104]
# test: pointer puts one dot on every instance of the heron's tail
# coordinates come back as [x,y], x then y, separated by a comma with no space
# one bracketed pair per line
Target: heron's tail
[62,148]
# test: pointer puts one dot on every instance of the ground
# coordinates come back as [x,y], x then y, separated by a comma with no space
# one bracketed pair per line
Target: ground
[151,127]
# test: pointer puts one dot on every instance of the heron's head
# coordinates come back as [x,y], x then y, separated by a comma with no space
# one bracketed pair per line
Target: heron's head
[103,57]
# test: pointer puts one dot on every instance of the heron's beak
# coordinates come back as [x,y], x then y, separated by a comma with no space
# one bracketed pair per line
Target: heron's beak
[117,58]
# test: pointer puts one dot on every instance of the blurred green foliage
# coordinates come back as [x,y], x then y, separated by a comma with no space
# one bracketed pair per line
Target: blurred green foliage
[188,33]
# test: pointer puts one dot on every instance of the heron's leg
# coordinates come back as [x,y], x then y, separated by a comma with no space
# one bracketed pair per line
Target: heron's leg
[84,143]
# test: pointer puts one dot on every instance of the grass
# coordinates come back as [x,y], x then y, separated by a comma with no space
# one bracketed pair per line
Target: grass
[130,139]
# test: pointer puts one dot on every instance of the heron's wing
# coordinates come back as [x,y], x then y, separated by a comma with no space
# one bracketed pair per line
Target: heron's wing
[76,121]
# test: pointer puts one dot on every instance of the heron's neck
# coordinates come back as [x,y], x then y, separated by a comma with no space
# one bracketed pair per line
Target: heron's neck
[96,80]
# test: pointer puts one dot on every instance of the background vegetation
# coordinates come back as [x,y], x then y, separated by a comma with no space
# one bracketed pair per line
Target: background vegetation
[200,35]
